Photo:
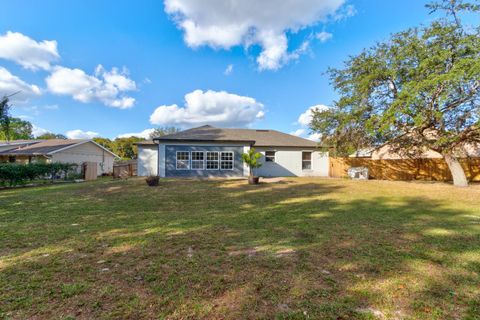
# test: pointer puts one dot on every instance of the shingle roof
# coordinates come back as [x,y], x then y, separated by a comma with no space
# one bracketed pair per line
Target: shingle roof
[258,138]
[42,147]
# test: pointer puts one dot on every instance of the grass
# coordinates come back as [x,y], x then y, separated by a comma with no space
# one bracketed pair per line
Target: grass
[296,249]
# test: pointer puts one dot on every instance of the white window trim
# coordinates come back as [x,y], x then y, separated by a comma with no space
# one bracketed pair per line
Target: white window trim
[217,161]
[274,156]
[311,160]
[189,159]
[204,163]
[233,160]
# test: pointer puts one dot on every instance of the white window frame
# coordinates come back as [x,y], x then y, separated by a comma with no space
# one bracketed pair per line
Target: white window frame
[233,160]
[217,161]
[176,160]
[192,161]
[311,160]
[269,157]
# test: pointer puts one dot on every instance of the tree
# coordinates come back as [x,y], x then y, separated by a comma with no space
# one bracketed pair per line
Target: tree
[126,148]
[420,90]
[4,118]
[17,129]
[251,159]
[105,142]
[49,136]
[160,132]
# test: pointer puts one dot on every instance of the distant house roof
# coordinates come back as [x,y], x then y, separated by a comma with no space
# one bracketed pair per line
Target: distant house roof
[47,147]
[257,138]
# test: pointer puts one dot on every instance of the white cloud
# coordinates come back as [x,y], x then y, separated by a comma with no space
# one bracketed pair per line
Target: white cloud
[80,134]
[228,71]
[323,36]
[315,137]
[27,52]
[345,12]
[105,86]
[51,107]
[37,131]
[305,118]
[210,107]
[304,121]
[10,84]
[225,24]
[145,134]
[298,132]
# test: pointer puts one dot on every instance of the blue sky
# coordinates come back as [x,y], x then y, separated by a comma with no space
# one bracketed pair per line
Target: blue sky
[150,59]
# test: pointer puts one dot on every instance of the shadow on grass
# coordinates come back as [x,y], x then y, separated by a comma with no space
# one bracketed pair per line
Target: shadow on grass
[213,249]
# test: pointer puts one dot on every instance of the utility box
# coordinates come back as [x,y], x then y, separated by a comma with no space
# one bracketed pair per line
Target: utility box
[358,173]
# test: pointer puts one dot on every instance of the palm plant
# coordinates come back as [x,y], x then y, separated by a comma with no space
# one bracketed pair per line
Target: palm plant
[252,160]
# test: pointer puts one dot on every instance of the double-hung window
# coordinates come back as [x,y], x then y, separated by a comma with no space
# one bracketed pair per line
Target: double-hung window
[269,156]
[212,160]
[198,160]
[226,160]
[306,160]
[183,160]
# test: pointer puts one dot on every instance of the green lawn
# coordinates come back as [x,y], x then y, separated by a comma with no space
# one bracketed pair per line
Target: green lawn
[295,249]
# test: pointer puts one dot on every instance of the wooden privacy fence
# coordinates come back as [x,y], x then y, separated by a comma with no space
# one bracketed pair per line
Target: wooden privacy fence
[125,169]
[405,169]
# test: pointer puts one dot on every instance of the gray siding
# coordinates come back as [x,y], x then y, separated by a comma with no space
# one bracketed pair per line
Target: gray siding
[170,159]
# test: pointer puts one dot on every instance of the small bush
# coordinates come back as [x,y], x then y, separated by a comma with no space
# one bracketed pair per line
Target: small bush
[153,181]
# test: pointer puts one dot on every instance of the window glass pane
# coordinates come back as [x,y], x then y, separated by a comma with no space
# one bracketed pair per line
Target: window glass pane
[226,160]
[197,160]
[306,156]
[212,160]
[183,160]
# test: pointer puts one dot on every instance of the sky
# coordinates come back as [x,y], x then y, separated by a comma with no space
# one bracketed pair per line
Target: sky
[117,68]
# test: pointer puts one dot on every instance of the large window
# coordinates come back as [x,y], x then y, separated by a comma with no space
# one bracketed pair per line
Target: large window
[183,160]
[212,160]
[198,162]
[226,160]
[306,160]
[270,156]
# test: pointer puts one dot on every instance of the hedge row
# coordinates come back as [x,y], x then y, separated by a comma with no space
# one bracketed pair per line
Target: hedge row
[13,174]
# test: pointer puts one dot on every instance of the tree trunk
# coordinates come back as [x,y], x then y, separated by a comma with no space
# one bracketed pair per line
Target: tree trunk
[458,174]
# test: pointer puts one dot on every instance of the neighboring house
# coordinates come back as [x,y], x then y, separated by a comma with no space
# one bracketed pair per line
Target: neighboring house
[58,150]
[386,152]
[214,152]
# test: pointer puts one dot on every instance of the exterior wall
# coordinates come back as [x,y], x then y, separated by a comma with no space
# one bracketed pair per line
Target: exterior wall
[86,152]
[288,163]
[170,161]
[147,161]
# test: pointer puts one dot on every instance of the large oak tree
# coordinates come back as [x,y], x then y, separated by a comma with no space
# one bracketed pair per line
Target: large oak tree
[419,90]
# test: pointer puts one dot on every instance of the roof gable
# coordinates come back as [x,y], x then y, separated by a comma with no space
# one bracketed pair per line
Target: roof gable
[48,147]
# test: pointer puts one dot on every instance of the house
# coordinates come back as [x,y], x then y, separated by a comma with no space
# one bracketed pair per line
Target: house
[58,150]
[215,152]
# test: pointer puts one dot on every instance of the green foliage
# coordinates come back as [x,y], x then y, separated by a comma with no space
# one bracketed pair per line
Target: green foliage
[13,174]
[49,136]
[126,148]
[251,159]
[418,90]
[160,132]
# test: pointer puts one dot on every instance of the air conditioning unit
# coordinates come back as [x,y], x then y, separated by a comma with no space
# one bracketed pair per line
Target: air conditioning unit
[358,173]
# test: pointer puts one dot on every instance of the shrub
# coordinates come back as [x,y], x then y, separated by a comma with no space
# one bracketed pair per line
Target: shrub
[13,174]
[153,181]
